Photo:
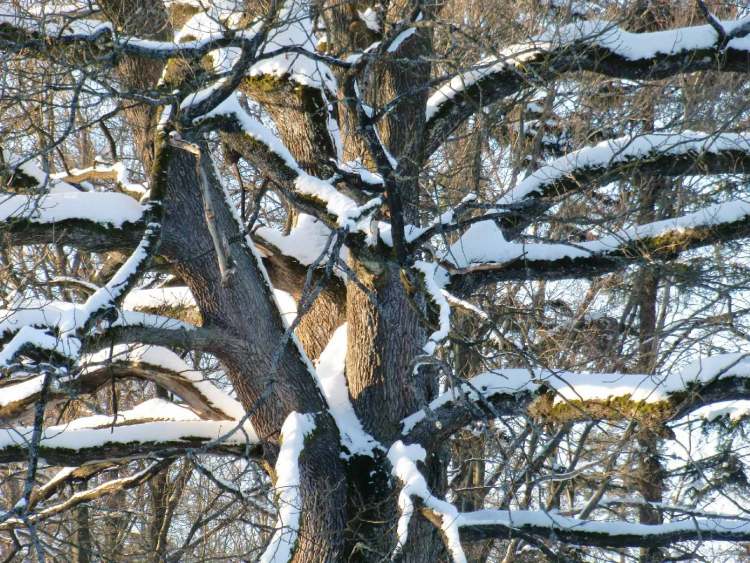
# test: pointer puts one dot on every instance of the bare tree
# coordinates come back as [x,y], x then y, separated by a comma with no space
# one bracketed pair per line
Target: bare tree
[360,281]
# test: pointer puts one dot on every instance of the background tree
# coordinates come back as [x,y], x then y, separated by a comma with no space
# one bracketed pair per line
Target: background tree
[355,281]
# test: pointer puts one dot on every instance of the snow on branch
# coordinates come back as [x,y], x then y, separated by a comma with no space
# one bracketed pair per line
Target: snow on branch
[597,46]
[583,396]
[101,171]
[150,363]
[664,149]
[295,429]
[295,42]
[403,459]
[504,524]
[345,211]
[109,210]
[53,210]
[482,255]
[71,329]
[40,32]
[332,382]
[435,279]
[185,381]
[689,152]
[61,445]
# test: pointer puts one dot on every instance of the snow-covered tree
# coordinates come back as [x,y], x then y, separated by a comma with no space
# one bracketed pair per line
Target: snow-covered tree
[355,281]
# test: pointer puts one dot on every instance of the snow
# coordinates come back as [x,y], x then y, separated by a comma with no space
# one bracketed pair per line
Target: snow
[117,170]
[510,57]
[621,150]
[29,336]
[403,459]
[400,38]
[330,370]
[639,46]
[252,127]
[435,278]
[168,360]
[575,386]
[56,314]
[350,215]
[121,281]
[295,429]
[20,391]
[370,17]
[735,410]
[630,46]
[148,411]
[360,169]
[295,31]
[518,519]
[163,431]
[305,242]
[154,298]
[484,243]
[196,98]
[101,207]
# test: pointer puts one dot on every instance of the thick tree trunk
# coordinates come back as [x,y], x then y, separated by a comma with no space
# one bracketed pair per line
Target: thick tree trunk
[349,509]
[271,379]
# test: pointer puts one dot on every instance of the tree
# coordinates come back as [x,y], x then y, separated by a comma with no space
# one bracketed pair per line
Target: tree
[512,234]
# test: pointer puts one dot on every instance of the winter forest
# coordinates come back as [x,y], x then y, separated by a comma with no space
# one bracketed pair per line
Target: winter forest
[364,281]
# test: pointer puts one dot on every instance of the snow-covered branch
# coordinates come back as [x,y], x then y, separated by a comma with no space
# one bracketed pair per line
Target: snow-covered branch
[310,194]
[596,46]
[506,524]
[63,445]
[482,255]
[148,363]
[664,154]
[568,396]
[293,433]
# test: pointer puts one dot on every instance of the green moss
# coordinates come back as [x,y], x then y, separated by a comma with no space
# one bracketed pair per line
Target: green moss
[615,408]
[677,240]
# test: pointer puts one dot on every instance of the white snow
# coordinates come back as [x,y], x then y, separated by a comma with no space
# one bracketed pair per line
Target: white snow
[330,369]
[349,214]
[37,338]
[101,207]
[400,38]
[296,30]
[403,459]
[20,391]
[117,170]
[305,242]
[483,242]
[518,519]
[735,410]
[148,411]
[639,46]
[631,46]
[576,386]
[435,278]
[510,57]
[621,150]
[370,17]
[293,432]
[168,360]
[148,432]
[179,296]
